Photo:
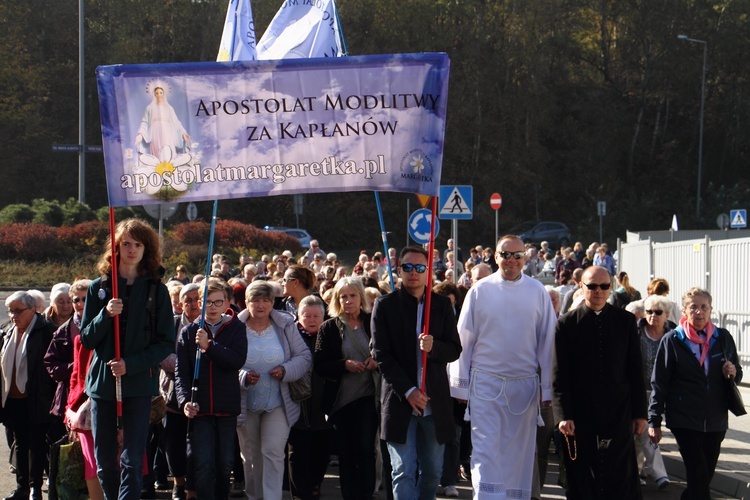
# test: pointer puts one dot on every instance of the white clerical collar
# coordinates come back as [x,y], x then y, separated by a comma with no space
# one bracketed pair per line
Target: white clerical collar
[503,278]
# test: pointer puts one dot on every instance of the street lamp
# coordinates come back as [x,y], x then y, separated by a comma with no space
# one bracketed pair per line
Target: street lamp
[700,137]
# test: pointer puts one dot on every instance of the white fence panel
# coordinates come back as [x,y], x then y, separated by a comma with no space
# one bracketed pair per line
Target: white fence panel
[683,264]
[636,258]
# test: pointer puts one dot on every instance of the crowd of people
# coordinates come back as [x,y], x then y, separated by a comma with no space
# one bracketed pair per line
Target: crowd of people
[252,380]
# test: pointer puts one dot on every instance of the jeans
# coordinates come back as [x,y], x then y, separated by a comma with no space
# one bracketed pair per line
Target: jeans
[422,451]
[123,481]
[211,446]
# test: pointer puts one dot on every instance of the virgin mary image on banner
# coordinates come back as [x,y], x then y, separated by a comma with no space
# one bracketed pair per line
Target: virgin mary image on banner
[163,146]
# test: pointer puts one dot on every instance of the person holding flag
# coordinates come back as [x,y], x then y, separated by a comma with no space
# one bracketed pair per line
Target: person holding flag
[144,312]
[416,411]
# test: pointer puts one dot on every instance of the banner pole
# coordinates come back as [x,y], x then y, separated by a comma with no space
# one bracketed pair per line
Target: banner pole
[196,370]
[384,236]
[428,292]
[116,318]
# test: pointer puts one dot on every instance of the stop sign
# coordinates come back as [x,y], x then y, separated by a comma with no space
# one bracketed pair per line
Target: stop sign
[496,201]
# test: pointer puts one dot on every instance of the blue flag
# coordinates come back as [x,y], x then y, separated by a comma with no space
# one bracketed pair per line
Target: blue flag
[302,31]
[238,38]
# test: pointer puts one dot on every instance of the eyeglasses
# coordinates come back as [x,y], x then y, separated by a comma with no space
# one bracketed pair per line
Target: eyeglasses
[601,286]
[657,312]
[16,312]
[217,303]
[508,255]
[287,280]
[419,268]
[702,308]
[77,300]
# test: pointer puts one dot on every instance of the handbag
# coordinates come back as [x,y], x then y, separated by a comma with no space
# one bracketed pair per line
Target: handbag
[80,420]
[66,471]
[301,389]
[734,397]
[158,409]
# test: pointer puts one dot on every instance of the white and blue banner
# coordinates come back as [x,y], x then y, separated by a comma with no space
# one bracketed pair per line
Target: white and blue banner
[302,29]
[207,131]
[238,38]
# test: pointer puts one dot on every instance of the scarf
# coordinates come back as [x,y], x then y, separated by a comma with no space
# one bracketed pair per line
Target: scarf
[14,353]
[693,336]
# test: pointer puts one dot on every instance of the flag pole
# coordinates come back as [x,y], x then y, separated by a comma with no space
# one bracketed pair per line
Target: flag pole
[116,318]
[196,370]
[428,292]
[384,236]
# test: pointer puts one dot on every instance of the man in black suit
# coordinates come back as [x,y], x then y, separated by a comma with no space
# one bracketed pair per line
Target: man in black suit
[399,340]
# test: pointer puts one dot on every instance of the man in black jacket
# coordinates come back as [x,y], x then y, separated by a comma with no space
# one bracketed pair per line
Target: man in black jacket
[27,391]
[399,340]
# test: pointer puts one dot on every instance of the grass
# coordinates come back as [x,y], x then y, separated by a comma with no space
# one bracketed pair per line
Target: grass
[24,274]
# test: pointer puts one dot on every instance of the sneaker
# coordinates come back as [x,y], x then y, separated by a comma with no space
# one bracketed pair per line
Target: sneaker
[662,483]
[161,484]
[451,492]
[643,481]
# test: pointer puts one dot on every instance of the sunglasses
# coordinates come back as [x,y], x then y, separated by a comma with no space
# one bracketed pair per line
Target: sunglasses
[407,268]
[658,312]
[508,255]
[76,300]
[287,280]
[601,286]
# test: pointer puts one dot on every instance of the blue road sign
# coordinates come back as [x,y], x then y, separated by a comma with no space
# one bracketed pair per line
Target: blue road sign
[455,202]
[738,219]
[419,226]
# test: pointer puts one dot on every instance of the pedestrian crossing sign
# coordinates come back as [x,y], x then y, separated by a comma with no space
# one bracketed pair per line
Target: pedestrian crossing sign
[737,218]
[455,202]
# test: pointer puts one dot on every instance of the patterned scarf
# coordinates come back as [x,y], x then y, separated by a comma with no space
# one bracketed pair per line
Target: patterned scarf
[693,336]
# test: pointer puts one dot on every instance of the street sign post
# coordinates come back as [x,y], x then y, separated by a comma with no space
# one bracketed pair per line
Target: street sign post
[601,208]
[496,201]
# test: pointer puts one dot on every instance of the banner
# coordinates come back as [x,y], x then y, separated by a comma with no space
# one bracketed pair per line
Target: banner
[238,37]
[205,131]
[302,29]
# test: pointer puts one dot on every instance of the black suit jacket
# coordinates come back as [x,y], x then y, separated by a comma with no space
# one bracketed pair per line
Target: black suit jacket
[394,327]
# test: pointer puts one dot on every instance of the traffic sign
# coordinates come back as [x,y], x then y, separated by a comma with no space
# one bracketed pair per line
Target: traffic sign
[455,202]
[601,208]
[496,201]
[423,200]
[66,148]
[419,226]
[738,218]
[722,221]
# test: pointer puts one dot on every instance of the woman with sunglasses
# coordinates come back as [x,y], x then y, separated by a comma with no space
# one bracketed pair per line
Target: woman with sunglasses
[690,387]
[342,356]
[651,328]
[297,284]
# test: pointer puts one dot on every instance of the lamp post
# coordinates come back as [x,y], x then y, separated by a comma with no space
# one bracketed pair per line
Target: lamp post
[700,137]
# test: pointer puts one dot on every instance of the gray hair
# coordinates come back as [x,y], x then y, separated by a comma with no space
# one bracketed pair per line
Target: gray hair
[638,307]
[311,301]
[40,299]
[25,297]
[552,291]
[260,289]
[190,287]
[659,301]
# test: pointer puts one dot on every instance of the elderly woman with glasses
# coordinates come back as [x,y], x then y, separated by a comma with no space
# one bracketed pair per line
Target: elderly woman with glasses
[651,328]
[276,356]
[343,357]
[690,385]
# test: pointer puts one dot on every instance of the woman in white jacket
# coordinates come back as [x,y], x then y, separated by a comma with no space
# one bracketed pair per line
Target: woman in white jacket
[276,355]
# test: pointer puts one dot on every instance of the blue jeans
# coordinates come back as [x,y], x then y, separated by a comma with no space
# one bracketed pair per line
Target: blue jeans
[421,449]
[211,448]
[123,481]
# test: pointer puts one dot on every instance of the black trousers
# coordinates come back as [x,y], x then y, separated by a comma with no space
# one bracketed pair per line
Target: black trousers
[308,461]
[700,452]
[356,425]
[30,442]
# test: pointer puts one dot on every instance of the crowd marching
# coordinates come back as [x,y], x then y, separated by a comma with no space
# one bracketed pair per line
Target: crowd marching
[252,380]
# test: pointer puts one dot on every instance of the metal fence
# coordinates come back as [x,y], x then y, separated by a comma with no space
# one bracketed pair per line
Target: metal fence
[720,266]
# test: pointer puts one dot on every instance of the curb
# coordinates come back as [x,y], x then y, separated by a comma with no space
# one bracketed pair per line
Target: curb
[723,482]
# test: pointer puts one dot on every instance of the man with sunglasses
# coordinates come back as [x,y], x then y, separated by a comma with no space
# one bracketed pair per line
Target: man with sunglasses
[599,393]
[415,423]
[506,328]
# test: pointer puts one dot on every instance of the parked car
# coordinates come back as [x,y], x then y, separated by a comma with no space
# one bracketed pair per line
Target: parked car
[556,233]
[301,234]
